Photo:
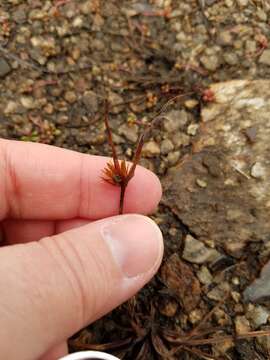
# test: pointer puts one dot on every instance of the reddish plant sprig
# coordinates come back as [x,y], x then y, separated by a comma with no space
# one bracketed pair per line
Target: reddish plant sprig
[118,172]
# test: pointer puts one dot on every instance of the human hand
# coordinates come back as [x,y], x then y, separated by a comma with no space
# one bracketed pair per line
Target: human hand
[64,270]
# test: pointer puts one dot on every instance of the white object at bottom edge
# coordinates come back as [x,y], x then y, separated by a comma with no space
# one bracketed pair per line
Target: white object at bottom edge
[88,355]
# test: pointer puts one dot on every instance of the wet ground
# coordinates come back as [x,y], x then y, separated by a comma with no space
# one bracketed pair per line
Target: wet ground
[60,59]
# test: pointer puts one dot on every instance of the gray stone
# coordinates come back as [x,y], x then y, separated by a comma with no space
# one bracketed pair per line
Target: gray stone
[196,252]
[174,120]
[192,129]
[166,146]
[225,38]
[204,276]
[19,16]
[261,14]
[242,325]
[265,57]
[219,292]
[173,157]
[210,62]
[28,102]
[180,139]
[151,149]
[258,171]
[70,97]
[250,46]
[90,101]
[115,101]
[4,67]
[130,132]
[260,288]
[231,58]
[223,157]
[201,183]
[258,316]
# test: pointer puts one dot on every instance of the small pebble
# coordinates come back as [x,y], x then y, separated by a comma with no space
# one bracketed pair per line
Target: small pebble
[4,68]
[191,104]
[261,14]
[265,57]
[219,292]
[225,38]
[192,129]
[114,100]
[195,316]
[28,102]
[242,325]
[242,2]
[257,171]
[166,146]
[210,63]
[174,120]
[130,132]
[179,139]
[260,287]
[205,276]
[196,252]
[90,101]
[201,183]
[258,316]
[70,97]
[173,157]
[231,58]
[151,149]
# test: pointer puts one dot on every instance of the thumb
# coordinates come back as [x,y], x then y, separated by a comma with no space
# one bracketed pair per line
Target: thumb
[52,288]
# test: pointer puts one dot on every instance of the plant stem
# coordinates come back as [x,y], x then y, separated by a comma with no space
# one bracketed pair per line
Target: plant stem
[122,197]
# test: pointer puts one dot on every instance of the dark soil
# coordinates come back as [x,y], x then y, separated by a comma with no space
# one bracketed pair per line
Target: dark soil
[60,59]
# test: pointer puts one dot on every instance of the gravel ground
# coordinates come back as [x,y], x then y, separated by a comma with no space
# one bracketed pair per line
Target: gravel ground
[60,59]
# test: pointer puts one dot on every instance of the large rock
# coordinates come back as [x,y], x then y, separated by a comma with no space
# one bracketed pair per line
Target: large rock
[231,157]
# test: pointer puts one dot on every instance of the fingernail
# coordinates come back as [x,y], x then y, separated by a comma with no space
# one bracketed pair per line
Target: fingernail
[135,242]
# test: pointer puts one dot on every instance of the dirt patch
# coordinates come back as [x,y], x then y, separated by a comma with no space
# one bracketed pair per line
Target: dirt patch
[60,59]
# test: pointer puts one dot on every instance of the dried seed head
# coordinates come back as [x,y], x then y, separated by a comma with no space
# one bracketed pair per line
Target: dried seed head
[116,175]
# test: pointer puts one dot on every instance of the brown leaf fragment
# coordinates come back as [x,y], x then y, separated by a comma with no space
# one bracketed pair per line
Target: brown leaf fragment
[180,278]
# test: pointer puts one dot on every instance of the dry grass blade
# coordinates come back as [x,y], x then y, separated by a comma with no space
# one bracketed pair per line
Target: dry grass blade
[218,339]
[77,345]
[200,353]
[109,134]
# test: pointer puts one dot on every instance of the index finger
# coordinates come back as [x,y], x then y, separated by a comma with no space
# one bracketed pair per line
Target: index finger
[44,182]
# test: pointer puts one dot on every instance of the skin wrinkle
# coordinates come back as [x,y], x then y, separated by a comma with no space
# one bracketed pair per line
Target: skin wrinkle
[63,262]
[78,272]
[105,293]
[84,197]
[38,297]
[11,188]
